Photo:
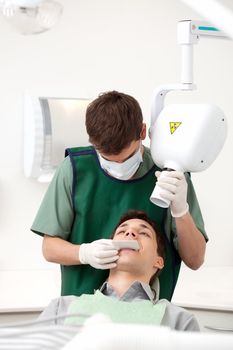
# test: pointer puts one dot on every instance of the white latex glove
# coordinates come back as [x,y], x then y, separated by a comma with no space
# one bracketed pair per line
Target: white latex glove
[100,254]
[174,188]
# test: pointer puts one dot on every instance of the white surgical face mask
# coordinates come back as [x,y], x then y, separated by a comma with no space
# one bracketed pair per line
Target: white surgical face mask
[124,170]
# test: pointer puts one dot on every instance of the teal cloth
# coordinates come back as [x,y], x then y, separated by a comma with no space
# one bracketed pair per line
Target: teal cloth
[140,312]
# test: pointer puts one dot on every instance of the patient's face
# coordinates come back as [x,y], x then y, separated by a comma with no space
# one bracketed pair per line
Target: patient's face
[146,259]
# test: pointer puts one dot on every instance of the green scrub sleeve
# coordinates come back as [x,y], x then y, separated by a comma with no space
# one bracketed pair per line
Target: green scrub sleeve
[55,215]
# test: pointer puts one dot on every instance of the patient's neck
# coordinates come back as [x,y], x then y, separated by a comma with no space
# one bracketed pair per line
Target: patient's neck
[120,281]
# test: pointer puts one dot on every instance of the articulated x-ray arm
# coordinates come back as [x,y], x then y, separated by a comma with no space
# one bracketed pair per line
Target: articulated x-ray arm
[186,137]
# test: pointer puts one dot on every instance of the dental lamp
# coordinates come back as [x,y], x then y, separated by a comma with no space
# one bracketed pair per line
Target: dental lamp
[31,16]
[185,137]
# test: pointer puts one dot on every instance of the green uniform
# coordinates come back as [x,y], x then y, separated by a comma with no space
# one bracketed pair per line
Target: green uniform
[93,202]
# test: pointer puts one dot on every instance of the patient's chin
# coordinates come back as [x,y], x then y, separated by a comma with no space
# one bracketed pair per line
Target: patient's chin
[125,261]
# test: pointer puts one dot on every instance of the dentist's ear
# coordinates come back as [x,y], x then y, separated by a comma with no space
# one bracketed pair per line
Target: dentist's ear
[143,132]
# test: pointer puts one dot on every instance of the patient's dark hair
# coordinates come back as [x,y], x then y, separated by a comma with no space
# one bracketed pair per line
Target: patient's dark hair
[161,246]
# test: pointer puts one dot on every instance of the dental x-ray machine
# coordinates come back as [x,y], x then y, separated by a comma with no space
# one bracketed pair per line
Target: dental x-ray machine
[185,137]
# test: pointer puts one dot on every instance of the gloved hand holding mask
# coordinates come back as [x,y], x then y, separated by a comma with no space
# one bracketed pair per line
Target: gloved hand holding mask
[100,254]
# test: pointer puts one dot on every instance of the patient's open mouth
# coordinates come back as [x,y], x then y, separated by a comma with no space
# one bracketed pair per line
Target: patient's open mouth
[128,250]
[126,244]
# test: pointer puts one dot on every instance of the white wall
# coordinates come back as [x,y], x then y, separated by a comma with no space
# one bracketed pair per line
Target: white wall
[99,45]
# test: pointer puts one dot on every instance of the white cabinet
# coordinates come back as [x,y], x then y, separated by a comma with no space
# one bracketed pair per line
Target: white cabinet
[214,320]
[208,294]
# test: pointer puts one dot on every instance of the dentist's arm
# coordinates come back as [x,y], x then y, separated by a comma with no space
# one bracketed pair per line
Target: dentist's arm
[59,251]
[191,243]
[100,254]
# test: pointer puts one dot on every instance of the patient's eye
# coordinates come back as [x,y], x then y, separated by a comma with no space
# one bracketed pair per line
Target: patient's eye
[144,233]
[120,232]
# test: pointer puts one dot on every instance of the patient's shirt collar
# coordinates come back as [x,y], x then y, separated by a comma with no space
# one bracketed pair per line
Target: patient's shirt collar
[137,291]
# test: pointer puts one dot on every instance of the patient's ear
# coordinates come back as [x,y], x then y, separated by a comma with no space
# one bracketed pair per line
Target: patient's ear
[159,262]
[143,132]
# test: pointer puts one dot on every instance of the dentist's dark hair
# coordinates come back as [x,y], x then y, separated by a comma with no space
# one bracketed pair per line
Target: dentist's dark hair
[113,121]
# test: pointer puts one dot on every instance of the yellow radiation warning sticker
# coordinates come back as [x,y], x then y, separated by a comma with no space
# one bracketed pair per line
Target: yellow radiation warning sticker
[174,126]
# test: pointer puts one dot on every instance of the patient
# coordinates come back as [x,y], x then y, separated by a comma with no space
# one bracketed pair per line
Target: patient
[127,296]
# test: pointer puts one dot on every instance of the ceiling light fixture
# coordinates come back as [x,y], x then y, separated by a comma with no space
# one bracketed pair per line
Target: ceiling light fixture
[31,16]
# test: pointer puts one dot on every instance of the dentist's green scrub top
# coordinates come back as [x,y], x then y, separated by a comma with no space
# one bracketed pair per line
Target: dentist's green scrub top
[83,203]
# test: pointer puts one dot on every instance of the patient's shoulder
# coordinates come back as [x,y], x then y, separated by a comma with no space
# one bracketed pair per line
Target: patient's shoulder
[64,302]
[57,307]
[178,318]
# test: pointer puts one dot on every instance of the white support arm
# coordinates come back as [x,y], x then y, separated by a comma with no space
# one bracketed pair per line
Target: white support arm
[188,33]
[186,39]
[159,95]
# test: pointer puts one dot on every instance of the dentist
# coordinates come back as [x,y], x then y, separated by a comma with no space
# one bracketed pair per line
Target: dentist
[95,185]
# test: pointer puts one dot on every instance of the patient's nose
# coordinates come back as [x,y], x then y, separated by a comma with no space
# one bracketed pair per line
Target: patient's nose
[130,234]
